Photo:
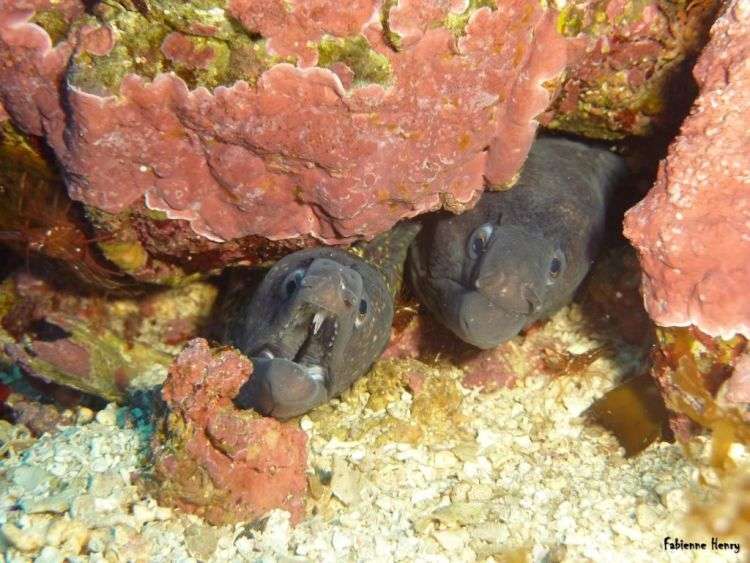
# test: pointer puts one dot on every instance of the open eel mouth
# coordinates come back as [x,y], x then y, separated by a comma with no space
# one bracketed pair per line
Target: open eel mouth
[290,382]
[310,347]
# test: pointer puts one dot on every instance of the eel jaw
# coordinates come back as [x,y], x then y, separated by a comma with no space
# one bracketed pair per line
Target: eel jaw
[281,388]
[290,384]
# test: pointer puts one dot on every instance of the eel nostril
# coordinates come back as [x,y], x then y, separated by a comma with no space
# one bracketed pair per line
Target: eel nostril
[535,304]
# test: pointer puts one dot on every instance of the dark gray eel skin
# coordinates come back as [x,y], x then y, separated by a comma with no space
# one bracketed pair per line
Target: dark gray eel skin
[318,321]
[519,255]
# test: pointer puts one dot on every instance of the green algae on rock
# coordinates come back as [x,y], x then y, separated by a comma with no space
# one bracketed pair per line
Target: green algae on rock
[456,23]
[367,65]
[197,40]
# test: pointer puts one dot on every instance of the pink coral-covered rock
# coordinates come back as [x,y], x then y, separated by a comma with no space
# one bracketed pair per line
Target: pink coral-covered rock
[222,463]
[692,231]
[31,66]
[338,153]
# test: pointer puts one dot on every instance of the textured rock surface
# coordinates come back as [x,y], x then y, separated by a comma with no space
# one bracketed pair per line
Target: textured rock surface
[381,129]
[108,348]
[34,61]
[628,64]
[692,231]
[210,455]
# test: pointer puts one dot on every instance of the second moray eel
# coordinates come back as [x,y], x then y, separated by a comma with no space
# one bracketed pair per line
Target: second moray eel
[318,321]
[519,255]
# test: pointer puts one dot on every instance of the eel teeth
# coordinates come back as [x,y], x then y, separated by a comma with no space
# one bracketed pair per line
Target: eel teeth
[315,372]
[318,319]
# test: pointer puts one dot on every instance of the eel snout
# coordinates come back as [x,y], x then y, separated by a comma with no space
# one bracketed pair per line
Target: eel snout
[331,287]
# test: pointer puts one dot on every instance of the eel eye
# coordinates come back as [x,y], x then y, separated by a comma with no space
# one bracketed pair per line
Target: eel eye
[362,312]
[556,266]
[479,239]
[293,281]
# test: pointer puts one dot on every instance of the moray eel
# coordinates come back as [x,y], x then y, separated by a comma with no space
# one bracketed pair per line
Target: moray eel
[518,255]
[318,321]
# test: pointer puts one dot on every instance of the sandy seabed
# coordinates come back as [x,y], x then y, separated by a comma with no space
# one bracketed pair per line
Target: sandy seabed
[512,475]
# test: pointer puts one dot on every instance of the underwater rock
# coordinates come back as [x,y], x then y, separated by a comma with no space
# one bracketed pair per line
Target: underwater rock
[692,231]
[39,220]
[102,346]
[205,134]
[228,135]
[35,46]
[628,64]
[215,460]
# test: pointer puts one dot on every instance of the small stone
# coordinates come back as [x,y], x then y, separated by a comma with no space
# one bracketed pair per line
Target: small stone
[129,544]
[98,541]
[163,513]
[346,483]
[646,516]
[30,477]
[84,415]
[201,541]
[244,546]
[75,535]
[460,514]
[451,540]
[631,532]
[445,460]
[675,500]
[59,503]
[275,538]
[143,513]
[341,542]
[83,508]
[460,492]
[466,452]
[480,491]
[491,532]
[710,476]
[22,540]
[306,424]
[108,415]
[49,555]
[316,487]
[105,484]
